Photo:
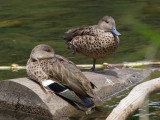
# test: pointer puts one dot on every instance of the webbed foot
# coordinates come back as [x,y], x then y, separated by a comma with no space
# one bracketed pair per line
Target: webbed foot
[92,69]
[74,50]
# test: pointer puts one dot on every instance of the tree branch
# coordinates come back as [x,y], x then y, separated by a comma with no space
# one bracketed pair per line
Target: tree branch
[134,100]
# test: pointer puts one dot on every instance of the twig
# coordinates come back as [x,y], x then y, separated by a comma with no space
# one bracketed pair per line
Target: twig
[16,67]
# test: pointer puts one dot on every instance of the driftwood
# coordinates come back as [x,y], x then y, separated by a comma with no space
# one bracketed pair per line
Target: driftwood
[134,100]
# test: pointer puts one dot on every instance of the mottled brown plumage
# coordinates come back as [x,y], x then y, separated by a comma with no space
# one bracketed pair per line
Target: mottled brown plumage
[44,64]
[96,41]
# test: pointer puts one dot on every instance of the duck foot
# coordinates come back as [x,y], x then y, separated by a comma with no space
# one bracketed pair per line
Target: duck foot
[92,69]
[74,50]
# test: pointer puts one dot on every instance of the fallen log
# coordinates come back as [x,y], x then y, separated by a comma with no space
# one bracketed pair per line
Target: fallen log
[134,100]
[23,96]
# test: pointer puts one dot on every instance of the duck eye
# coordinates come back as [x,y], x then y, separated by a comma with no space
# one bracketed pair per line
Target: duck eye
[106,21]
[48,50]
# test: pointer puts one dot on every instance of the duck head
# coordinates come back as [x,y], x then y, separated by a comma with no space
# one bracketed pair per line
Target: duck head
[107,23]
[42,51]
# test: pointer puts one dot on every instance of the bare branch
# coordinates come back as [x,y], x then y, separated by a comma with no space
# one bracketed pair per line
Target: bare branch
[134,100]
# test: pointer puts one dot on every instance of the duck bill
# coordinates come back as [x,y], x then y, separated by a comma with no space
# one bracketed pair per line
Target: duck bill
[114,31]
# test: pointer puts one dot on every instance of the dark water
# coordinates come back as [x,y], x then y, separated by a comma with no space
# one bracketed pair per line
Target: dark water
[24,24]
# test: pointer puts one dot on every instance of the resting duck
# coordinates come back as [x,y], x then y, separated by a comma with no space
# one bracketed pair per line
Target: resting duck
[60,76]
[96,41]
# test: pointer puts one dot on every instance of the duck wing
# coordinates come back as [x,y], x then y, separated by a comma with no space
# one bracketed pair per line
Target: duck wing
[67,73]
[71,33]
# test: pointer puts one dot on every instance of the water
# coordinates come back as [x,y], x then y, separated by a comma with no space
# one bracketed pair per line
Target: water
[24,24]
[150,108]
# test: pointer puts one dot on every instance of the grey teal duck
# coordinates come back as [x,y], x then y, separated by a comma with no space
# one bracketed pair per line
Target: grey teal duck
[96,41]
[60,75]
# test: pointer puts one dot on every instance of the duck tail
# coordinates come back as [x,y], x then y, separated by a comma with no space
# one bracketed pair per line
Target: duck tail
[65,91]
[87,101]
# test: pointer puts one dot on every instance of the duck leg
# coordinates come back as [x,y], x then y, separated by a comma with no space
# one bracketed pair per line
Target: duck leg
[93,68]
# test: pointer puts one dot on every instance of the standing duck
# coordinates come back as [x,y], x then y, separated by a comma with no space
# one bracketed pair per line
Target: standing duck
[60,75]
[96,41]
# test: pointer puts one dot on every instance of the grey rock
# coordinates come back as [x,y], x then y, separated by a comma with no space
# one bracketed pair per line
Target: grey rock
[24,99]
